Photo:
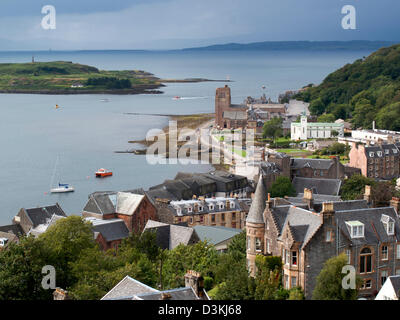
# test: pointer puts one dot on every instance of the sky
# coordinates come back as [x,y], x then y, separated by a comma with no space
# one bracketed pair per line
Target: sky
[175,24]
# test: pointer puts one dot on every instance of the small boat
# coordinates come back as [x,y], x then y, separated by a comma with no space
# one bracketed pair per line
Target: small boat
[101,173]
[62,187]
[177,97]
[105,100]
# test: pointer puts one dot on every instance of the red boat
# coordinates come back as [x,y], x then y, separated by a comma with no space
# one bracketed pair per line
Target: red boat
[101,173]
[177,98]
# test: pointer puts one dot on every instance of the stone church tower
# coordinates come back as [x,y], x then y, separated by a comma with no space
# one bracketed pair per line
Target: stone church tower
[255,226]
[222,103]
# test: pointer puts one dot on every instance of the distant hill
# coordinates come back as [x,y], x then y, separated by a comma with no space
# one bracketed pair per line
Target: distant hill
[366,90]
[297,45]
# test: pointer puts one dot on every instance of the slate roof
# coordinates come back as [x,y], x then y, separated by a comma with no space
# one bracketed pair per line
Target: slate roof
[169,236]
[318,164]
[374,231]
[43,214]
[235,115]
[110,202]
[41,228]
[395,280]
[382,151]
[318,198]
[303,223]
[318,186]
[185,205]
[216,234]
[13,229]
[127,288]
[258,205]
[186,293]
[110,229]
[345,205]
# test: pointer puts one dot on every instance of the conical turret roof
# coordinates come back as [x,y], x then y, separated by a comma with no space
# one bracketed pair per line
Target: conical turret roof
[258,205]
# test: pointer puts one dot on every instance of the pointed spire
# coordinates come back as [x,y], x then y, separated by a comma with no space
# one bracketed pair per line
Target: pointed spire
[258,205]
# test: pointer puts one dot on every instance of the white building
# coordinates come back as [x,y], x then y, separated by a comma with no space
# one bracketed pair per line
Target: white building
[304,130]
[390,289]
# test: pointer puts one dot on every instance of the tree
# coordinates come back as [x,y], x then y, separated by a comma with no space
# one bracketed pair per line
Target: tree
[269,279]
[317,107]
[353,187]
[21,271]
[327,117]
[273,128]
[282,187]
[388,118]
[329,281]
[382,193]
[65,240]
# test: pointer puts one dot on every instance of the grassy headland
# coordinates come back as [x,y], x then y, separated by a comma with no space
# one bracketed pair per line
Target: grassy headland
[62,77]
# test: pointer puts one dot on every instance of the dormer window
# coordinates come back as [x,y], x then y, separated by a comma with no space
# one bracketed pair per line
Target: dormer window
[221,206]
[386,151]
[356,229]
[232,205]
[394,150]
[388,223]
[379,153]
[200,208]
[211,207]
[189,209]
[178,211]
[371,154]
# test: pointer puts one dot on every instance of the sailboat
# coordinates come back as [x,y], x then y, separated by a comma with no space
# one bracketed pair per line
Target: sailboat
[62,187]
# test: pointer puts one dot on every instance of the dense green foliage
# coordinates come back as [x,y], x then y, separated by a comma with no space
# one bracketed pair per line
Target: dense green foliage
[367,89]
[353,187]
[338,149]
[45,77]
[273,128]
[329,281]
[89,273]
[109,83]
[282,187]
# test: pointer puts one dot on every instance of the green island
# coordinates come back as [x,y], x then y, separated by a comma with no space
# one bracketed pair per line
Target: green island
[64,77]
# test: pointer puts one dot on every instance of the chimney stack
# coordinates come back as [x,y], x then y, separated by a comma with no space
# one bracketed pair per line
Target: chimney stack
[195,280]
[395,203]
[60,294]
[367,194]
[308,198]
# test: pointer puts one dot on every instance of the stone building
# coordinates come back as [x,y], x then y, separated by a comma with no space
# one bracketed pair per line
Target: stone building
[381,161]
[306,235]
[317,168]
[228,115]
[134,208]
[217,211]
[304,130]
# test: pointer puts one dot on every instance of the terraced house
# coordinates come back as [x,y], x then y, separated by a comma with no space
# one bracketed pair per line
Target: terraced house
[217,211]
[381,161]
[306,235]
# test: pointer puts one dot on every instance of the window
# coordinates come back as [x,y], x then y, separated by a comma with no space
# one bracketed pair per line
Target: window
[221,206]
[367,284]
[348,254]
[371,154]
[200,208]
[190,209]
[293,282]
[212,218]
[356,229]
[397,272]
[233,215]
[211,207]
[365,260]
[248,243]
[398,251]
[178,211]
[384,275]
[287,256]
[232,205]
[258,244]
[328,236]
[379,153]
[268,246]
[384,252]
[294,258]
[286,281]
[388,223]
[267,224]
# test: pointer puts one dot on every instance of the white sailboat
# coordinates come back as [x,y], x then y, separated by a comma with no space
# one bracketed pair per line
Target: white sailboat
[62,187]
